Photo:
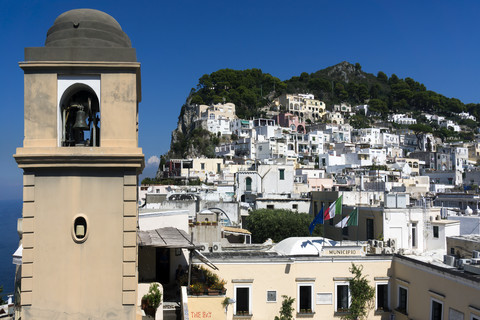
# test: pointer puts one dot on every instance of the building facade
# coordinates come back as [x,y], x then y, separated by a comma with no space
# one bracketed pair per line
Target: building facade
[79,229]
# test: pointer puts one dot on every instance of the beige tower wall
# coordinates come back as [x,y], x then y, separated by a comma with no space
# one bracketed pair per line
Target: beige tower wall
[97,278]
[78,280]
[40,110]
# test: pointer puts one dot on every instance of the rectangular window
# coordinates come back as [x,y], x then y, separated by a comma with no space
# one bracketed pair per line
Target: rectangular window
[436,312]
[271,296]
[382,297]
[402,300]
[295,206]
[202,166]
[342,297]
[369,225]
[305,296]
[435,231]
[282,174]
[414,235]
[218,167]
[242,300]
[270,206]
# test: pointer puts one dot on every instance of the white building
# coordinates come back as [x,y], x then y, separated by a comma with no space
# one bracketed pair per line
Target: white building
[369,136]
[242,128]
[402,119]
[269,181]
[449,124]
[389,139]
[337,133]
[467,116]
[316,141]
[221,126]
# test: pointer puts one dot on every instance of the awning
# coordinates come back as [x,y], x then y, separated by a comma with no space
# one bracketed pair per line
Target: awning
[204,259]
[165,238]
[236,231]
[17,256]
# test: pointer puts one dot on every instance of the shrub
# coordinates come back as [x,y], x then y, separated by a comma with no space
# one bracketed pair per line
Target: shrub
[154,296]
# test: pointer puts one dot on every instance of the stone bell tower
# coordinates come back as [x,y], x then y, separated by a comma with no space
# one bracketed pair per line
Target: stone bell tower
[81,160]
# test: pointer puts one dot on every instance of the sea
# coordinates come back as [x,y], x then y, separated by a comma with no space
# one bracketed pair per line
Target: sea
[10,212]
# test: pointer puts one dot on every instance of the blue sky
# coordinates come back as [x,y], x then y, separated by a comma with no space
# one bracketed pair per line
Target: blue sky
[434,42]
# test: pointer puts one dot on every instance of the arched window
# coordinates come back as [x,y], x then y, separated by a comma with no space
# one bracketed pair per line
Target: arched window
[79,117]
[248,183]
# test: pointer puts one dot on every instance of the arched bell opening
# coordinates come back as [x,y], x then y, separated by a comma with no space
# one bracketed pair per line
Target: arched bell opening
[80,117]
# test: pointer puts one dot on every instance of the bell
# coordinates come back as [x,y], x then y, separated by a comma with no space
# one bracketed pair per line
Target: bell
[81,120]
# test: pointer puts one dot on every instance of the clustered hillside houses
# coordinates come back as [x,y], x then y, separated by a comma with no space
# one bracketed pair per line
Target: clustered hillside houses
[417,229]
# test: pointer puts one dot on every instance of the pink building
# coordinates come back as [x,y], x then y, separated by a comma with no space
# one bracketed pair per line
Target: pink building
[288,120]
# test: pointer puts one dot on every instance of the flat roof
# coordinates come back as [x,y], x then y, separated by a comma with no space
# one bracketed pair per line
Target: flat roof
[165,238]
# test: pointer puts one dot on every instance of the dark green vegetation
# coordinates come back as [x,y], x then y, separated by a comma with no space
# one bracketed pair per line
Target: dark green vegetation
[362,295]
[247,89]
[278,224]
[344,82]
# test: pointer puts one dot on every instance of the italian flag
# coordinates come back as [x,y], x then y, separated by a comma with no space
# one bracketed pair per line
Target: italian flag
[334,209]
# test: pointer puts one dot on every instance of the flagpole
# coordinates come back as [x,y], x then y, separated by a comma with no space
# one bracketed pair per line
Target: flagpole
[357,225]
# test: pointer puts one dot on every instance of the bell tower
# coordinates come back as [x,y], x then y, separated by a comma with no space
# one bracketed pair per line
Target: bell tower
[80,161]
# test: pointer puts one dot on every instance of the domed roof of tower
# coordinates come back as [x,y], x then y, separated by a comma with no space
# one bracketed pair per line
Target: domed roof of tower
[86,28]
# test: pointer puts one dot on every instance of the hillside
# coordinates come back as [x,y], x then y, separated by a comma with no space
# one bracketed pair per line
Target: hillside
[252,90]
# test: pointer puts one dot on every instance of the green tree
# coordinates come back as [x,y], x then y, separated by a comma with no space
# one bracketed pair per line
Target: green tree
[359,121]
[279,224]
[420,131]
[286,311]
[362,295]
[382,76]
[197,99]
[378,106]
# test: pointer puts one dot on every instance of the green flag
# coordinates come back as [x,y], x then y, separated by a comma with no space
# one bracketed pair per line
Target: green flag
[353,220]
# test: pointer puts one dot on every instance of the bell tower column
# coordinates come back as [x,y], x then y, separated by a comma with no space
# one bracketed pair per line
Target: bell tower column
[81,161]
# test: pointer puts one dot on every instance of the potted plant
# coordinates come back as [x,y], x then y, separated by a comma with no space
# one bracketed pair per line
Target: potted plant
[226,302]
[151,301]
[219,287]
[196,288]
